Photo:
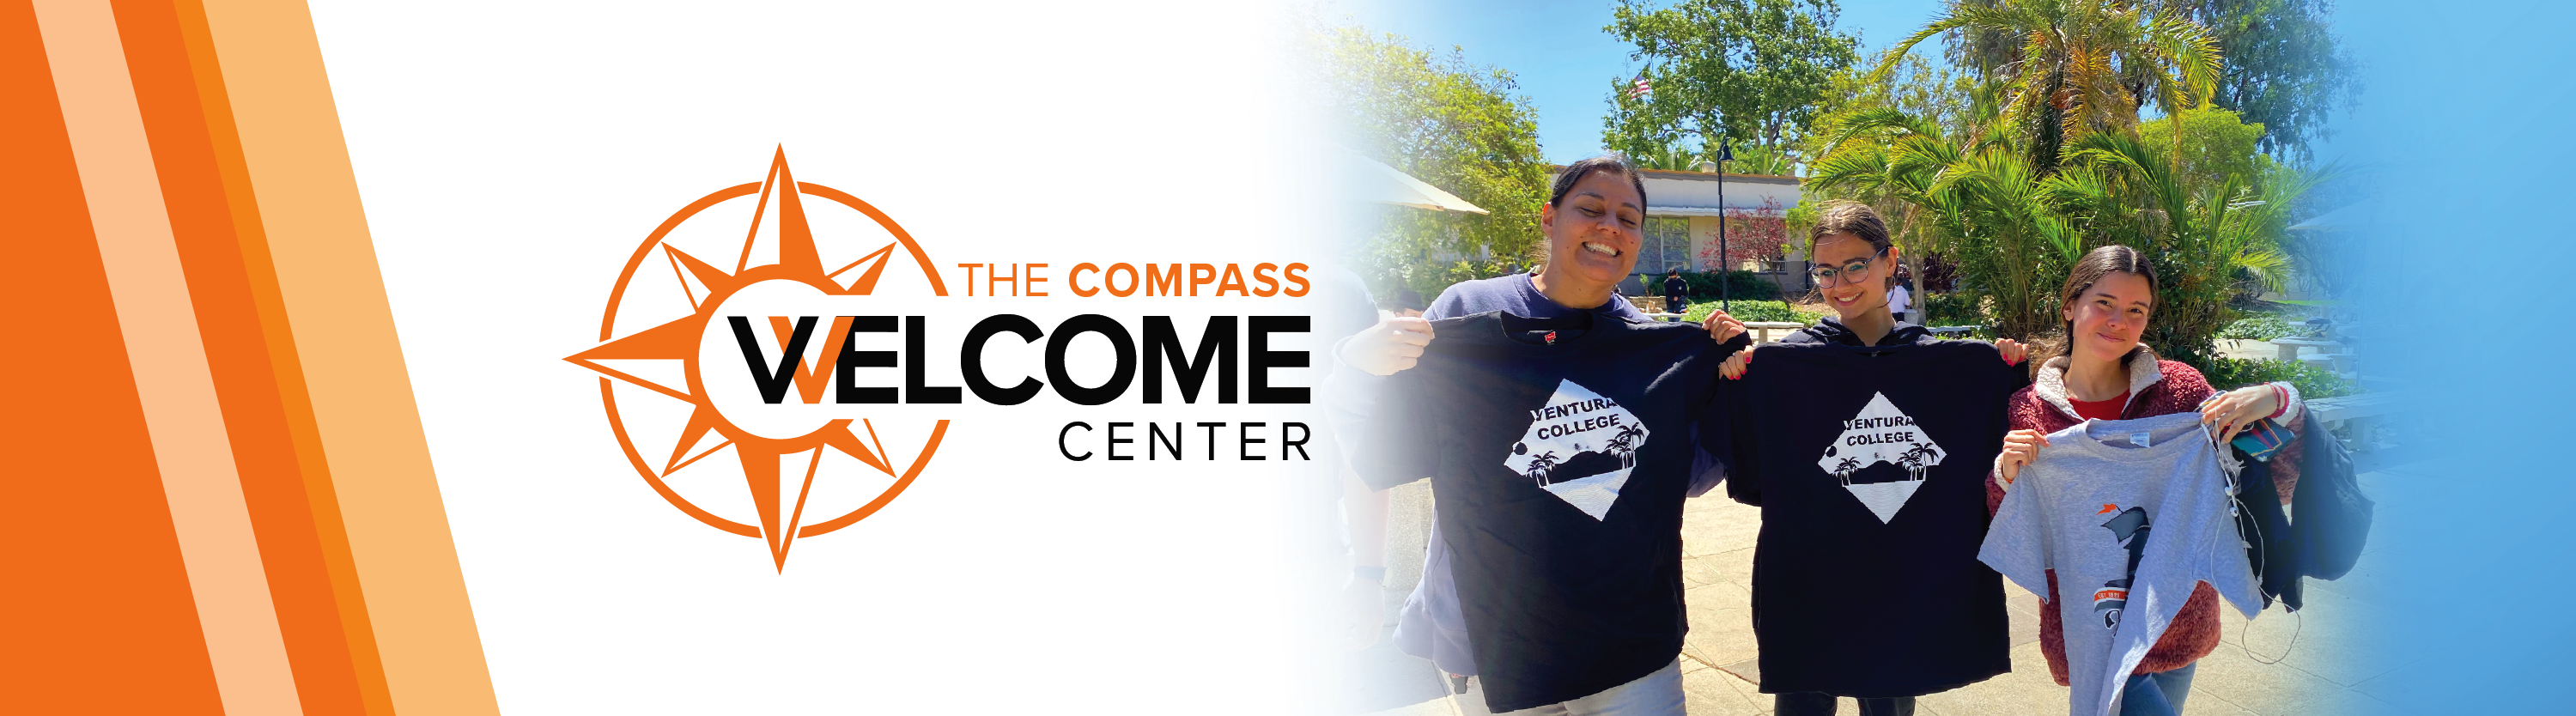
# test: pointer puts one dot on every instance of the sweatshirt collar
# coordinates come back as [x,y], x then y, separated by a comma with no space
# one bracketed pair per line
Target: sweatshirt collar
[2051,383]
[1832,331]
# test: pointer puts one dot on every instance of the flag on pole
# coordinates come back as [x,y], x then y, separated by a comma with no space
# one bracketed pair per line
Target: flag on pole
[1642,89]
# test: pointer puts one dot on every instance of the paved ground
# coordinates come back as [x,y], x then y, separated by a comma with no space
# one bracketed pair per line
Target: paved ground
[2281,664]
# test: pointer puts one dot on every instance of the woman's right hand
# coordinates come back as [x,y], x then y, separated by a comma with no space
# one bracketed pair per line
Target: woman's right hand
[2020,448]
[1392,345]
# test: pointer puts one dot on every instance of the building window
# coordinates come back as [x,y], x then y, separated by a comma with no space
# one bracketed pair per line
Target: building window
[1668,246]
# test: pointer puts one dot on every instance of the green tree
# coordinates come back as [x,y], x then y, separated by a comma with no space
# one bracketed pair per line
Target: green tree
[1749,71]
[1977,198]
[2285,70]
[2212,242]
[1938,95]
[2084,66]
[2215,144]
[2216,235]
[1458,126]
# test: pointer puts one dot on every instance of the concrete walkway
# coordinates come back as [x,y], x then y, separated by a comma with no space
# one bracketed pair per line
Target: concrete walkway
[2281,664]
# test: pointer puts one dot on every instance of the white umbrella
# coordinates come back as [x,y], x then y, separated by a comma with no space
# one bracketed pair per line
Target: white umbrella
[1367,180]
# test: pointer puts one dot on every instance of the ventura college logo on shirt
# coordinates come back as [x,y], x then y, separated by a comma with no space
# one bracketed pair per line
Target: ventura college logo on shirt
[1580,447]
[1881,433]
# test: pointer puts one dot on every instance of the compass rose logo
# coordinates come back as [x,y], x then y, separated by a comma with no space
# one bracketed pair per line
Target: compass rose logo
[672,348]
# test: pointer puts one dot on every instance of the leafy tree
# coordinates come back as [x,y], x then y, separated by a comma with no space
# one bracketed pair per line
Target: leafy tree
[1759,159]
[1455,125]
[2215,144]
[2284,71]
[1939,95]
[1667,157]
[1750,71]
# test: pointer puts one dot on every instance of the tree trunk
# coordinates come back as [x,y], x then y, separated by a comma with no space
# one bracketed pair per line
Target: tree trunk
[1922,308]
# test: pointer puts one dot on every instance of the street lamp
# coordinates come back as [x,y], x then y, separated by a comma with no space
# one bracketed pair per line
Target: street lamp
[1725,269]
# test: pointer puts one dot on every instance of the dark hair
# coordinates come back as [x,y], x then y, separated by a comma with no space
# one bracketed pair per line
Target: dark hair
[1612,163]
[2089,270]
[1848,217]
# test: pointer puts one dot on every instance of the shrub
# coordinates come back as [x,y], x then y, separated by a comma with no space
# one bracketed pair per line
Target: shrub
[1755,311]
[2261,328]
[1952,309]
[2312,382]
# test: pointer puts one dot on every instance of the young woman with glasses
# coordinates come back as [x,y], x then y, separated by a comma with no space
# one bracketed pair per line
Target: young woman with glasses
[1854,261]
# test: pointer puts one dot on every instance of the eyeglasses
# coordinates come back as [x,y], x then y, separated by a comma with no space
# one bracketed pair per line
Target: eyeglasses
[1825,275]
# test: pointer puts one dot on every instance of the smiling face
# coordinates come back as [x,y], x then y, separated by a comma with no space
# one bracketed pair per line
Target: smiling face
[2109,316]
[1594,234]
[1853,294]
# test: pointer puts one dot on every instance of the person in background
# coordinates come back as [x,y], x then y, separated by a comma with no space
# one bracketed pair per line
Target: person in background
[2104,373]
[1676,292]
[1899,301]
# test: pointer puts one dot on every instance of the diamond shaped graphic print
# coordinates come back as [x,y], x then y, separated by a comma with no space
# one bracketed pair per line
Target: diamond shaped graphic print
[1881,433]
[1580,448]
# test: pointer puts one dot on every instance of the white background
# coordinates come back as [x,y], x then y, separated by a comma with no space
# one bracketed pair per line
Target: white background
[511,156]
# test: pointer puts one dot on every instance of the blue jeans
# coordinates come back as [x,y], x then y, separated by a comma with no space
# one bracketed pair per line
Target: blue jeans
[1656,694]
[2157,694]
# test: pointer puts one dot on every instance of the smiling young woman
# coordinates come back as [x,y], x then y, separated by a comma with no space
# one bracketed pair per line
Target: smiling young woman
[1594,226]
[1854,259]
[2104,373]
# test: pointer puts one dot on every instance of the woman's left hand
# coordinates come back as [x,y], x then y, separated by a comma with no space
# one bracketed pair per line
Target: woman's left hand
[2014,352]
[1722,327]
[2232,411]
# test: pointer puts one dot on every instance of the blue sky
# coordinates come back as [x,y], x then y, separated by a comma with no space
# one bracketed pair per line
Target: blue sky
[1565,63]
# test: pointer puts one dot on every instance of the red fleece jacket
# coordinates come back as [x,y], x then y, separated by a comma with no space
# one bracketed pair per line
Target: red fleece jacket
[2168,387]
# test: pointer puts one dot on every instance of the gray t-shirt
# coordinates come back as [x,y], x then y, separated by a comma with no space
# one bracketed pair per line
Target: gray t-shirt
[2132,514]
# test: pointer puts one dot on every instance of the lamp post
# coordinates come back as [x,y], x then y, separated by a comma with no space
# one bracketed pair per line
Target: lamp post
[1725,268]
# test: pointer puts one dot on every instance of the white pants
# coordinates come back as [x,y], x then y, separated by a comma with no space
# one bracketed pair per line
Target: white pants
[1656,694]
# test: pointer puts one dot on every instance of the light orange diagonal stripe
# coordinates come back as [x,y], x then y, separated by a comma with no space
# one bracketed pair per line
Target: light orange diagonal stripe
[320,610]
[162,343]
[306,199]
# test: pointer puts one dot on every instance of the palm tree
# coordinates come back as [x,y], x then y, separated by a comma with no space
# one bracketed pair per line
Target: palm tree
[1980,200]
[1667,158]
[2203,238]
[2085,66]
[1539,465]
[1844,469]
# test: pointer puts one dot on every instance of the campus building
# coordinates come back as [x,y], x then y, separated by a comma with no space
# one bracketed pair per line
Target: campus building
[1682,213]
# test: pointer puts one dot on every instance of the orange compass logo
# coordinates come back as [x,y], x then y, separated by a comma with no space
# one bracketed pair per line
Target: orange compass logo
[673,348]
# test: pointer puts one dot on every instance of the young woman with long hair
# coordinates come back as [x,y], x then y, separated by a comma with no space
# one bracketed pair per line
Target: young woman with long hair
[2104,373]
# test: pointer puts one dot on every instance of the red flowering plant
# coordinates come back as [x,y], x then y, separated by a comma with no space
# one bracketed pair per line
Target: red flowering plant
[1751,234]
